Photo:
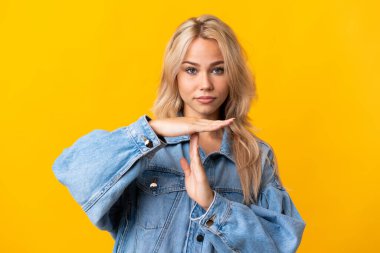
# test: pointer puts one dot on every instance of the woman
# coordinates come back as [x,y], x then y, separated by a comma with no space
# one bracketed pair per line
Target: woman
[196,178]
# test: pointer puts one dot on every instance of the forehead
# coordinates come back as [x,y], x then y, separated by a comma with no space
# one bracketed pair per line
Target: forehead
[203,50]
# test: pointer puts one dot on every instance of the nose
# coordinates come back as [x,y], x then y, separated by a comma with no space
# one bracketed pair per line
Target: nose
[205,82]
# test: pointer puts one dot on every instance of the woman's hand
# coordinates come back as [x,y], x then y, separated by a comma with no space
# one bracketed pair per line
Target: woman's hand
[186,125]
[196,181]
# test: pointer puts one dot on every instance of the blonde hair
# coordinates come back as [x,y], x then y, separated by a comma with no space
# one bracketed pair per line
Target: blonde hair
[242,90]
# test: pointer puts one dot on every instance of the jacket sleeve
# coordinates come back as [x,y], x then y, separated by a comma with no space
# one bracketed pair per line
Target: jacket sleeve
[98,167]
[271,225]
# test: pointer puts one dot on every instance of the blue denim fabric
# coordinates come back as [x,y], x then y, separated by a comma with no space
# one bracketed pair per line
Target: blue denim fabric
[137,193]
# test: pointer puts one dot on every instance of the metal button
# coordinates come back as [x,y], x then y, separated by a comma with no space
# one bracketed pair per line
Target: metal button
[148,143]
[210,221]
[200,238]
[153,185]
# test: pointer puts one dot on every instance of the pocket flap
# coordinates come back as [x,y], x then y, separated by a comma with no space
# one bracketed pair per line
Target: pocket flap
[160,181]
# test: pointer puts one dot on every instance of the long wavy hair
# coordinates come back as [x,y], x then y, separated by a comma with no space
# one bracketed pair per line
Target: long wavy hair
[242,90]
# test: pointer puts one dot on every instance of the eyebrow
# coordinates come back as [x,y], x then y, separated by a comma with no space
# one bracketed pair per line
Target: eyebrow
[196,64]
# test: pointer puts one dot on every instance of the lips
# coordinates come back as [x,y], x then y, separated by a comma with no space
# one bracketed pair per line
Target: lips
[205,99]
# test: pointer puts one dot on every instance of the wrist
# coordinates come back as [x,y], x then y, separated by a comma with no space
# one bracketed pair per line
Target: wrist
[152,124]
[208,203]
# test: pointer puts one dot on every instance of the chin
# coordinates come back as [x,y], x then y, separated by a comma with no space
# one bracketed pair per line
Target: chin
[203,110]
[206,112]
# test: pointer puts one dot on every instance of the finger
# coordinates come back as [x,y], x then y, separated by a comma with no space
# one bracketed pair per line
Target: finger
[212,125]
[185,166]
[195,160]
[224,122]
[193,143]
[215,122]
[194,152]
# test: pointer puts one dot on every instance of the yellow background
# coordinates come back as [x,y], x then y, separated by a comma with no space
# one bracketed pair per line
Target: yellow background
[68,67]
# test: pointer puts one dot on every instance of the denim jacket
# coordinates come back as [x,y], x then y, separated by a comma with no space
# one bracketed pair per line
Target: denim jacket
[129,182]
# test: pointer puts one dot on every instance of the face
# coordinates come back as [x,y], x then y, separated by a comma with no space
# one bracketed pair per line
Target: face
[202,83]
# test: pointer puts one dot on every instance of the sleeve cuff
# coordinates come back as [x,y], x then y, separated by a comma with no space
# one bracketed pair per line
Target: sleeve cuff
[144,136]
[215,216]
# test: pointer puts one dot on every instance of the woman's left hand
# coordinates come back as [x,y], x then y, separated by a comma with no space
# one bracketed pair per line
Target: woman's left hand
[196,181]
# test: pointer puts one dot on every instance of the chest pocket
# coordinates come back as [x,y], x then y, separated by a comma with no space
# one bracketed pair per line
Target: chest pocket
[159,191]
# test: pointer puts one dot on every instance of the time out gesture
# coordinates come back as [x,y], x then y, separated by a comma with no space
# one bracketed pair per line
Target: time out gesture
[196,181]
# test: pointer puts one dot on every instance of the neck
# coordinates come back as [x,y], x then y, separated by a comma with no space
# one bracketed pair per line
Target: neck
[218,134]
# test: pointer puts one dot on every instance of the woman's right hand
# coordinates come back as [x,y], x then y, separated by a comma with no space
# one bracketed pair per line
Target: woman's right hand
[186,125]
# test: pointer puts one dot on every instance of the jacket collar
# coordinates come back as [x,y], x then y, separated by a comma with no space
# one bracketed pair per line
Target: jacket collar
[225,148]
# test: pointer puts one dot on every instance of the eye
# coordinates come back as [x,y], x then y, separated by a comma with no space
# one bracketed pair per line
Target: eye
[219,70]
[190,70]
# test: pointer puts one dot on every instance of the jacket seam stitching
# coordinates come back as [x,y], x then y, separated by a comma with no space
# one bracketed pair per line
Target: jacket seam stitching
[122,239]
[108,185]
[167,222]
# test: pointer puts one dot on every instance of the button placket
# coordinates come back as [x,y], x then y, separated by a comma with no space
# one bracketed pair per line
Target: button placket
[200,238]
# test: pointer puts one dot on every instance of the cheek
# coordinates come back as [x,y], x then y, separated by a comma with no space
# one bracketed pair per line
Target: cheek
[185,86]
[226,91]
[225,96]
[222,87]
[183,90]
